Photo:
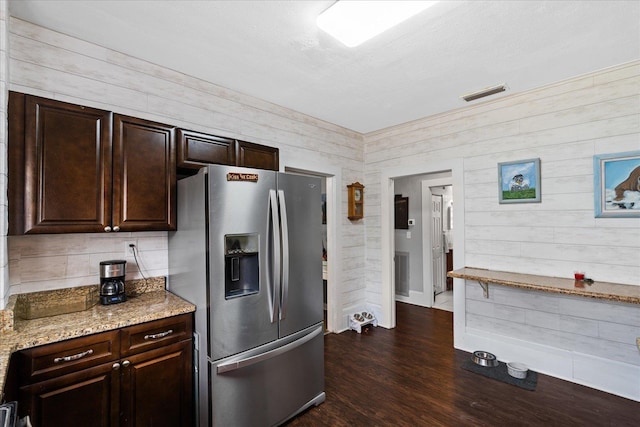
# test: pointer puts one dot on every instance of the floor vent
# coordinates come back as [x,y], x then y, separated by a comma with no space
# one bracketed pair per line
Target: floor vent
[402,273]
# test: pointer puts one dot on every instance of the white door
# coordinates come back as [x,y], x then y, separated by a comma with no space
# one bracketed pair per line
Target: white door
[437,250]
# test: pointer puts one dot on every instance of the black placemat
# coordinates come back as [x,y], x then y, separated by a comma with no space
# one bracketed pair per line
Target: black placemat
[500,373]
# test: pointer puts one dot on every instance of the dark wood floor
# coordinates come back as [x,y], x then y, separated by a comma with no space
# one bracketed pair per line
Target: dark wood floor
[411,376]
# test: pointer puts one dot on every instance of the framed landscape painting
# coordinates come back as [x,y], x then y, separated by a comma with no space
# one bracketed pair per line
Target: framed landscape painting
[519,181]
[617,185]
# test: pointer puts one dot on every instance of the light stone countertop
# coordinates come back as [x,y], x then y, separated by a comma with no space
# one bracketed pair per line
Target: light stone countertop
[599,290]
[147,302]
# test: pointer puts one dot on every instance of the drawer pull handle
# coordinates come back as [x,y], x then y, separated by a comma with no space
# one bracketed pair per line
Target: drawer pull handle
[160,335]
[73,357]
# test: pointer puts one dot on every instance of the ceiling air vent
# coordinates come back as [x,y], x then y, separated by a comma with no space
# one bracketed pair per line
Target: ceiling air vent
[484,92]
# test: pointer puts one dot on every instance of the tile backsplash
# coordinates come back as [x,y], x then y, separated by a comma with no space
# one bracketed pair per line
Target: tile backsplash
[54,261]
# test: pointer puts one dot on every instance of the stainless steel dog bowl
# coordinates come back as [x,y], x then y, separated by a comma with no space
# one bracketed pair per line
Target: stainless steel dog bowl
[484,358]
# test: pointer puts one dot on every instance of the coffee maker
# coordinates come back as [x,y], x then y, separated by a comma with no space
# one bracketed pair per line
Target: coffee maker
[112,282]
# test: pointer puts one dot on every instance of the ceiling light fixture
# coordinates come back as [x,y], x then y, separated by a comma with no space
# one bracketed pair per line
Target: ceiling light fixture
[484,92]
[354,22]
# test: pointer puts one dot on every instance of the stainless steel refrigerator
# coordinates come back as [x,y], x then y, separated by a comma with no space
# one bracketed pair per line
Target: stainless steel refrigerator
[248,253]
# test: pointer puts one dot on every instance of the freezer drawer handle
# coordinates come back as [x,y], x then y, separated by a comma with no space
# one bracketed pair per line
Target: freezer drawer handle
[73,357]
[243,363]
[160,335]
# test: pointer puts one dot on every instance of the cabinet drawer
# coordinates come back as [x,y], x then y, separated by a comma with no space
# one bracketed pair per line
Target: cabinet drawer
[158,333]
[47,361]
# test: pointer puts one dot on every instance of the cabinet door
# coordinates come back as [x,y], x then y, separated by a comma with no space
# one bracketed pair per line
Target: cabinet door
[60,166]
[258,156]
[144,175]
[85,398]
[196,150]
[156,387]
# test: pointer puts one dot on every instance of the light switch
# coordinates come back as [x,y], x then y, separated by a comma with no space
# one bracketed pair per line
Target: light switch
[408,234]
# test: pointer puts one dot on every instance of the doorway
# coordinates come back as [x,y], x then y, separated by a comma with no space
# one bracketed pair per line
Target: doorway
[419,231]
[452,171]
[330,202]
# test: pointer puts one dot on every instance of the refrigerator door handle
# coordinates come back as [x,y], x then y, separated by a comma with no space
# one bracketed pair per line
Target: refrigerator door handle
[284,295]
[252,360]
[273,259]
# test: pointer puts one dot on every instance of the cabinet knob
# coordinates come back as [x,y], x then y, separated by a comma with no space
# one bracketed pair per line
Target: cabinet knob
[116,228]
[107,229]
[125,363]
[116,366]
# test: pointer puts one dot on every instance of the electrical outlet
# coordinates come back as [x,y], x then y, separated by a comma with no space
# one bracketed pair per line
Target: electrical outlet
[128,250]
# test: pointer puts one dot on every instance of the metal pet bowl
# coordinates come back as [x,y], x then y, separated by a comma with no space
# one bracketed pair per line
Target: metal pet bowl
[484,358]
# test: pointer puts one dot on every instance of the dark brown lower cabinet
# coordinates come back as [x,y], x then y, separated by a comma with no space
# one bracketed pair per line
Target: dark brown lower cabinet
[156,388]
[147,382]
[87,397]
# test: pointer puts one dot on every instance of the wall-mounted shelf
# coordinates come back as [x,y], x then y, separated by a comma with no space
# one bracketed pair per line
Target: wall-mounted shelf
[600,290]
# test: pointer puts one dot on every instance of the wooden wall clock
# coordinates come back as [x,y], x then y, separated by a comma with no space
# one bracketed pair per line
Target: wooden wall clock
[356,201]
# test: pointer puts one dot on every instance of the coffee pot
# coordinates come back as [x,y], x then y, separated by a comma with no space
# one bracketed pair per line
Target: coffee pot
[112,282]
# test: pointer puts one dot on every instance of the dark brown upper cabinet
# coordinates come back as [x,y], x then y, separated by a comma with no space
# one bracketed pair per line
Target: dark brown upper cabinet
[144,175]
[196,149]
[76,169]
[252,155]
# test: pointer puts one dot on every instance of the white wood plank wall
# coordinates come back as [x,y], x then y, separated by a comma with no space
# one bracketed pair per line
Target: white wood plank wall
[53,65]
[564,124]
[4,79]
[603,329]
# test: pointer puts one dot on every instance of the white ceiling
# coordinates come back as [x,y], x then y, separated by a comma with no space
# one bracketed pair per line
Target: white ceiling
[274,51]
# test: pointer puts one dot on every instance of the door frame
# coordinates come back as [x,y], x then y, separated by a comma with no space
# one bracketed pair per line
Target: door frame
[387,176]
